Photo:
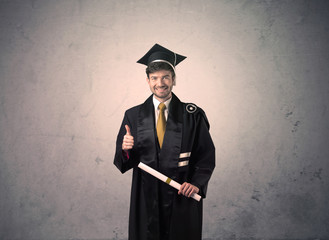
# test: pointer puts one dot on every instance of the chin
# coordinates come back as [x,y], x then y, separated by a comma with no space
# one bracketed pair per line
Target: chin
[163,96]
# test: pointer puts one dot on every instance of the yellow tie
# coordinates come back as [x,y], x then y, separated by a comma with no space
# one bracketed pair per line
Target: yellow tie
[161,124]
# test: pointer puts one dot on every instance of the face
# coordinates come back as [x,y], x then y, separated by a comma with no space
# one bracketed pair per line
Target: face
[161,84]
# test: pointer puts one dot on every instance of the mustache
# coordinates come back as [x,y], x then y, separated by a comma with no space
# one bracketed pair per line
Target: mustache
[162,87]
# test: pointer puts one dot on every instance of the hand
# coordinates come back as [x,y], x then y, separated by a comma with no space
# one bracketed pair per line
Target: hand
[187,189]
[128,140]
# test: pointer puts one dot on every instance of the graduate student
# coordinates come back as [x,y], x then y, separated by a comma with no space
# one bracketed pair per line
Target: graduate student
[173,138]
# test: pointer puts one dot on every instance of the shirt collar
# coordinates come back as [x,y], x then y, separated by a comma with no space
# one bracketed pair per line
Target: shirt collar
[156,103]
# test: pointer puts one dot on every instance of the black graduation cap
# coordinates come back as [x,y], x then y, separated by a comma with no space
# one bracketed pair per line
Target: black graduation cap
[161,54]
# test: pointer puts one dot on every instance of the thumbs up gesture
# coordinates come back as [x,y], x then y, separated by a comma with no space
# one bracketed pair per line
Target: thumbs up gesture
[128,140]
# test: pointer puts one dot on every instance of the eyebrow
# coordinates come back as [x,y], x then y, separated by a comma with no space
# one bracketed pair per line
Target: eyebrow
[167,75]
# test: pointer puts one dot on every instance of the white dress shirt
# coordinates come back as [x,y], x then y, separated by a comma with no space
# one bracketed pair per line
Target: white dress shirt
[156,103]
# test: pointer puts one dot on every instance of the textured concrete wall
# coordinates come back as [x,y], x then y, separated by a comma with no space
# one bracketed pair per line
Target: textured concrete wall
[258,68]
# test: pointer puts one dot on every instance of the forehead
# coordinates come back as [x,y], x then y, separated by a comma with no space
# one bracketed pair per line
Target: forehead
[161,73]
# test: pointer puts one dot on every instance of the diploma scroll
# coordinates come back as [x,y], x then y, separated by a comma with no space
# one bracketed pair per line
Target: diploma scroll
[165,179]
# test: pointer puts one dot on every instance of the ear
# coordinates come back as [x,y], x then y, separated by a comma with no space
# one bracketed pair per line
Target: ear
[174,81]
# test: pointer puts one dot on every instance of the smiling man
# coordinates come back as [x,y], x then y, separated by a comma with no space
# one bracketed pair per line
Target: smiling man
[173,138]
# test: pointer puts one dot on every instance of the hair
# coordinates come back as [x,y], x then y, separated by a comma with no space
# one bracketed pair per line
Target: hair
[158,66]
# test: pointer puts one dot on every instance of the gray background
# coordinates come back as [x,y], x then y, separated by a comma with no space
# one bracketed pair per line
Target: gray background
[67,74]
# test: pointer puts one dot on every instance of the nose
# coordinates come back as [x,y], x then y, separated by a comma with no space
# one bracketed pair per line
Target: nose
[161,82]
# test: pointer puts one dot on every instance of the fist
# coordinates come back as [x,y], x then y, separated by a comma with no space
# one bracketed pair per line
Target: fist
[128,140]
[187,189]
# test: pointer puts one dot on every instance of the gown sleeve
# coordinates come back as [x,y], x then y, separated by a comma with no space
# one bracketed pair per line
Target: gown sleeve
[124,161]
[203,156]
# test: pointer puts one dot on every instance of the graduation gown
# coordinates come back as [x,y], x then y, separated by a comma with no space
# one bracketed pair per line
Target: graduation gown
[187,155]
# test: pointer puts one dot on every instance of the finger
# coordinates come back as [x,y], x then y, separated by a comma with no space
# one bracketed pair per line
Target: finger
[128,130]
[128,142]
[128,138]
[186,189]
[182,188]
[191,192]
[127,146]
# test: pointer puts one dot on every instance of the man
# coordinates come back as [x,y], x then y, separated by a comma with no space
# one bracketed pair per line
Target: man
[173,138]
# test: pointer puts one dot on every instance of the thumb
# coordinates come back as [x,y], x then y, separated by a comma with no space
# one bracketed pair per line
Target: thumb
[128,130]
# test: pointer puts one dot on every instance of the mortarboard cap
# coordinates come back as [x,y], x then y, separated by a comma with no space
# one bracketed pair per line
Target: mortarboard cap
[160,54]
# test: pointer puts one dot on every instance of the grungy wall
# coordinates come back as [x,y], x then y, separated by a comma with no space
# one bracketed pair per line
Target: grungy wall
[68,72]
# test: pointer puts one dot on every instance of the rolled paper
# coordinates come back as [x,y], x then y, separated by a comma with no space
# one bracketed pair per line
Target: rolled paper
[165,179]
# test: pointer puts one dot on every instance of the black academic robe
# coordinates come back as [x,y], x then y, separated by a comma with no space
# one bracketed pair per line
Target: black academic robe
[187,155]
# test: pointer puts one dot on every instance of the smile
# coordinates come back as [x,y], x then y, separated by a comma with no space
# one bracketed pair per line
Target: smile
[161,88]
